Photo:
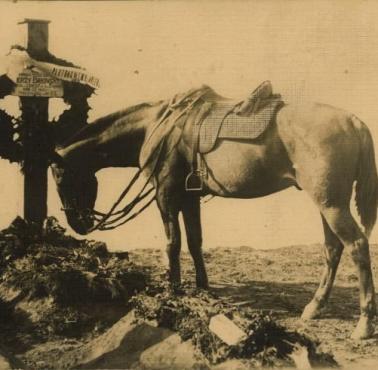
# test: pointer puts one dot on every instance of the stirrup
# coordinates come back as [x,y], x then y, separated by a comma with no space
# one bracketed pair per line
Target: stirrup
[194,181]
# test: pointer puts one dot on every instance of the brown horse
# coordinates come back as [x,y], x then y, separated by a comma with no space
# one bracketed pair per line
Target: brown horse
[318,148]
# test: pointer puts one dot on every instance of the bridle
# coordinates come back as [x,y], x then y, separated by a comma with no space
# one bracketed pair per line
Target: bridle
[115,218]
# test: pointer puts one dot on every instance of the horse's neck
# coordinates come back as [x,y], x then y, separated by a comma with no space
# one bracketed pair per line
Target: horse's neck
[123,149]
[117,146]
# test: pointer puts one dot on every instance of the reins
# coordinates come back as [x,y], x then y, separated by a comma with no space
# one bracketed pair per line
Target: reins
[103,221]
[113,219]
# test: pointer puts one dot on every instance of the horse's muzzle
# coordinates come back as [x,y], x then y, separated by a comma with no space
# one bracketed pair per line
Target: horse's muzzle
[80,224]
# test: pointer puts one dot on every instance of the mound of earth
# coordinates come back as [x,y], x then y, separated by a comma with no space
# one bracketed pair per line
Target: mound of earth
[54,286]
[68,303]
[188,312]
[170,329]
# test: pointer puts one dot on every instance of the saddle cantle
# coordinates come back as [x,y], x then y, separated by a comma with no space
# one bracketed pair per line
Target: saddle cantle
[258,98]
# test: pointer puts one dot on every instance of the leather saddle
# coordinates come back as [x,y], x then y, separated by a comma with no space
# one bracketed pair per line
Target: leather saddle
[220,118]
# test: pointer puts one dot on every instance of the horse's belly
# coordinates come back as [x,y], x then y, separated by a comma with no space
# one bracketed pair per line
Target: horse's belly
[241,170]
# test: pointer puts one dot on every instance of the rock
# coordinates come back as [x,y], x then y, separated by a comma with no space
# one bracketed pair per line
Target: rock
[127,345]
[96,353]
[234,364]
[300,358]
[226,330]
[4,363]
[171,353]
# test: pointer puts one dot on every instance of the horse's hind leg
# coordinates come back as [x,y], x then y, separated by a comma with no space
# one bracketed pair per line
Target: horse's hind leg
[333,249]
[346,229]
[192,219]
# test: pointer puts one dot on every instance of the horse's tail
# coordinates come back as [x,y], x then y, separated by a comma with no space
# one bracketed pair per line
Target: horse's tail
[367,179]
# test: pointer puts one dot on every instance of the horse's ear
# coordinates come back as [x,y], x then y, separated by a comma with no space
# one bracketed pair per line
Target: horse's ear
[56,158]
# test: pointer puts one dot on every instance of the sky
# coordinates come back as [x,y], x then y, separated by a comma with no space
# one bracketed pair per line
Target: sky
[142,51]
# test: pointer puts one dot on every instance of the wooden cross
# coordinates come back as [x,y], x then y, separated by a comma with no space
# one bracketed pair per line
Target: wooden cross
[46,76]
[35,115]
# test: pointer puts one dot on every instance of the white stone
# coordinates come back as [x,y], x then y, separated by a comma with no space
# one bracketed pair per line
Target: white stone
[226,330]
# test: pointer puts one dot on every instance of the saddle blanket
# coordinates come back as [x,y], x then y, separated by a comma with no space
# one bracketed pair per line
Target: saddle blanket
[223,123]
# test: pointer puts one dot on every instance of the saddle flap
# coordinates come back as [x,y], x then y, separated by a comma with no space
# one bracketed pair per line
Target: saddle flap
[211,125]
[224,123]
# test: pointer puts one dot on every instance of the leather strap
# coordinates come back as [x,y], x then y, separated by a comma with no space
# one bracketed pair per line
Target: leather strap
[201,115]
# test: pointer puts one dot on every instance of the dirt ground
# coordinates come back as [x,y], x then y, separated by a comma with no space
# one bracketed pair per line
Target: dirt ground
[282,282]
[279,282]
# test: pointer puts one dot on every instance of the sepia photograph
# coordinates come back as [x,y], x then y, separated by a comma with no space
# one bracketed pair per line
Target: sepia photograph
[188,185]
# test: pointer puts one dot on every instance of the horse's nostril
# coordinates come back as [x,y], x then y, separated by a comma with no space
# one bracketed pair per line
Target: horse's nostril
[81,231]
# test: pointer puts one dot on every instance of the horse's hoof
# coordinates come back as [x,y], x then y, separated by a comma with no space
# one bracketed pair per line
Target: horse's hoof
[177,289]
[364,329]
[311,311]
[202,284]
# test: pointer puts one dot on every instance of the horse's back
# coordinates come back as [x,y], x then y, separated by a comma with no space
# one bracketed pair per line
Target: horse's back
[322,121]
[314,146]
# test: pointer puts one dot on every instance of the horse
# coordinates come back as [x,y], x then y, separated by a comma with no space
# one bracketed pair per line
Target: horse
[318,148]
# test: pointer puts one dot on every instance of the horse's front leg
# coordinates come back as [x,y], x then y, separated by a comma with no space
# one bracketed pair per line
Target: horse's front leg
[169,214]
[192,219]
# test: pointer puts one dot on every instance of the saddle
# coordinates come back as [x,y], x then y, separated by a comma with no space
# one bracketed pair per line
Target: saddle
[204,118]
[219,118]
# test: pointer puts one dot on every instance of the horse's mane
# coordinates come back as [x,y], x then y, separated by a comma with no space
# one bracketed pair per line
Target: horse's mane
[103,123]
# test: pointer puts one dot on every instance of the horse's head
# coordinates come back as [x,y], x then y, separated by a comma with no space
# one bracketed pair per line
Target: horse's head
[77,188]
